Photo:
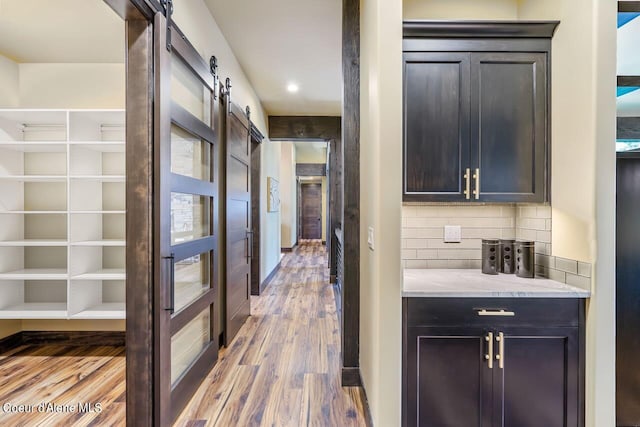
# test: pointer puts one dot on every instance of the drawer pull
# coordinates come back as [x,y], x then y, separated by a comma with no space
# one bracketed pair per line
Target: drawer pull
[503,313]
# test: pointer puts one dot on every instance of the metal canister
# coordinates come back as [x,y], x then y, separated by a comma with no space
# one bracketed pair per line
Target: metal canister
[490,256]
[525,258]
[507,260]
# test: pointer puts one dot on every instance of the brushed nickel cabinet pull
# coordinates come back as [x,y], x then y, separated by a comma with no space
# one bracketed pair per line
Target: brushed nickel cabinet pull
[503,313]
[476,176]
[500,355]
[489,356]
[467,188]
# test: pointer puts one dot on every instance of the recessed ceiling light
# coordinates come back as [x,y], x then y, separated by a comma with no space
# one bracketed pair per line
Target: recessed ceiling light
[292,87]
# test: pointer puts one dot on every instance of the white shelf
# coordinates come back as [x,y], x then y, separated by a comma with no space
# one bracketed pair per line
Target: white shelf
[105,242]
[34,242]
[103,274]
[34,178]
[35,274]
[49,310]
[104,146]
[62,205]
[101,178]
[35,146]
[110,310]
[34,212]
[97,212]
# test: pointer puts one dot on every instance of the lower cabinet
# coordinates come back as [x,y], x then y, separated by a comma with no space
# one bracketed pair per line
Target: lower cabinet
[493,362]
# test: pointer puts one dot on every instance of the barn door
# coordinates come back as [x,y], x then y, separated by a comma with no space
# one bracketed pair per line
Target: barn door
[185,230]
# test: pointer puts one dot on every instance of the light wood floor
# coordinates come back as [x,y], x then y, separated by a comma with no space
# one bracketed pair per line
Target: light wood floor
[63,375]
[283,368]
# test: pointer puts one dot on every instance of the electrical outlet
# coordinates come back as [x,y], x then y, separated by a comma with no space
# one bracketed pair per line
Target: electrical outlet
[370,238]
[452,234]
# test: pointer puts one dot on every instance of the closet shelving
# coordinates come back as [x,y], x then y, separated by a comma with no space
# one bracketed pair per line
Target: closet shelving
[62,214]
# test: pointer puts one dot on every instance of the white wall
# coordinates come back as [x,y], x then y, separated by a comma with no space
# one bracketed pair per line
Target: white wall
[583,171]
[9,81]
[72,85]
[288,189]
[195,20]
[380,207]
[460,9]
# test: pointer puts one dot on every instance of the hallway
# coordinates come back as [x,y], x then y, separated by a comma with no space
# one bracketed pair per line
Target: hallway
[283,369]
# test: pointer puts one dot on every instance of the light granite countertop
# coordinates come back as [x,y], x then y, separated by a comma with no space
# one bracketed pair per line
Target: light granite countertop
[471,283]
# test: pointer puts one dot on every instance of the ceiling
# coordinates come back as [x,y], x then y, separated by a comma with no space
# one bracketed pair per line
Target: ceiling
[51,31]
[283,41]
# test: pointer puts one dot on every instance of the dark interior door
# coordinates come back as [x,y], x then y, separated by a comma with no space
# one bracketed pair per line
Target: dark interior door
[311,201]
[436,126]
[508,125]
[238,219]
[185,223]
[628,291]
[538,382]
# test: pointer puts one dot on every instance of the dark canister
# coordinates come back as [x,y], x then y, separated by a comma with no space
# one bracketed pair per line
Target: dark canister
[490,256]
[507,261]
[525,258]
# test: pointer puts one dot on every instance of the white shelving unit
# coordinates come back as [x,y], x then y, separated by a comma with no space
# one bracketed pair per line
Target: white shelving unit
[62,214]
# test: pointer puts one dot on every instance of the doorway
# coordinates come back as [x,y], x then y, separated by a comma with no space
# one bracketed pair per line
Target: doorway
[311,210]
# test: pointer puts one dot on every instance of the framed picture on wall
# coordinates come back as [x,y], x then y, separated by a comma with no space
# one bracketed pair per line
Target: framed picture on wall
[273,195]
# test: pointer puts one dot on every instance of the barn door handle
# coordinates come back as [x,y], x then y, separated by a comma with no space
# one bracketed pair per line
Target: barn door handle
[172,283]
[249,243]
[489,356]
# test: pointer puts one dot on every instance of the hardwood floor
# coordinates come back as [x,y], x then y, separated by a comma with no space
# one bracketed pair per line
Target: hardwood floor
[62,375]
[283,368]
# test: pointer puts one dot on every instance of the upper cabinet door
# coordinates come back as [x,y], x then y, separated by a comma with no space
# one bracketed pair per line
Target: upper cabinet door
[436,126]
[509,126]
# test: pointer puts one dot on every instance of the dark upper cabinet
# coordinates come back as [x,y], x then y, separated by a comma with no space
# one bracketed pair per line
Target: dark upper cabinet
[436,122]
[476,125]
[462,369]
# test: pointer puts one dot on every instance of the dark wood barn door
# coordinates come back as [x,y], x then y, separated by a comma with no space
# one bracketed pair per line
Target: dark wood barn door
[185,223]
[311,200]
[239,234]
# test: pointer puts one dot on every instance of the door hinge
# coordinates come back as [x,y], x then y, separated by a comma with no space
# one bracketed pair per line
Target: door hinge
[167,5]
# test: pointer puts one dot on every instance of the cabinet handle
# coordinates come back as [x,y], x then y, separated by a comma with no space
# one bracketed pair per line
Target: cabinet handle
[500,355]
[476,176]
[489,356]
[467,187]
[503,313]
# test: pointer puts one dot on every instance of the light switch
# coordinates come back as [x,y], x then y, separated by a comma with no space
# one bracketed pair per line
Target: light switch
[370,238]
[452,234]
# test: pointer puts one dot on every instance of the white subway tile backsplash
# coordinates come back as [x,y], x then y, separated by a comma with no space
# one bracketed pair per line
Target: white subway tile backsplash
[567,265]
[459,254]
[427,253]
[423,238]
[464,244]
[416,263]
[579,281]
[557,275]
[415,243]
[483,233]
[584,269]
[543,236]
[409,254]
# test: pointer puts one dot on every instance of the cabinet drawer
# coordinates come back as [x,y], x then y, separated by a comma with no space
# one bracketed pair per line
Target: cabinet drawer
[537,312]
